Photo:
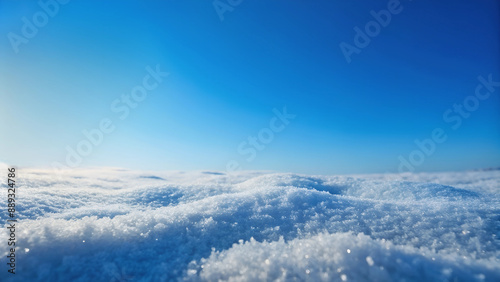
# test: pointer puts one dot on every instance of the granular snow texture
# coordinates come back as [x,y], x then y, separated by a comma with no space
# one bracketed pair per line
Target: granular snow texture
[121,225]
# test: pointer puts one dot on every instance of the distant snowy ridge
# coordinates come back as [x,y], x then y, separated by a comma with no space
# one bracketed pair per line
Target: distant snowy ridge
[114,225]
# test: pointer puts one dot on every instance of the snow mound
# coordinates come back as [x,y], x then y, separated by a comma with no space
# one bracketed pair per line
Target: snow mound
[115,225]
[336,257]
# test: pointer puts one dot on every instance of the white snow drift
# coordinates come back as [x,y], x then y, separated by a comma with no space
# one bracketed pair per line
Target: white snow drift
[121,225]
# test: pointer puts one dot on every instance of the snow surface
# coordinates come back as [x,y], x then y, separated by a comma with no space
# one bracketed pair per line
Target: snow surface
[121,225]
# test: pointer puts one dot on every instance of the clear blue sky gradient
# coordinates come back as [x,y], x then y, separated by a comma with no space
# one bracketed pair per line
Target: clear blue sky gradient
[227,76]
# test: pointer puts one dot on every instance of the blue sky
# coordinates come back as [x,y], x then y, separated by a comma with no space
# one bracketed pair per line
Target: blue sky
[226,77]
